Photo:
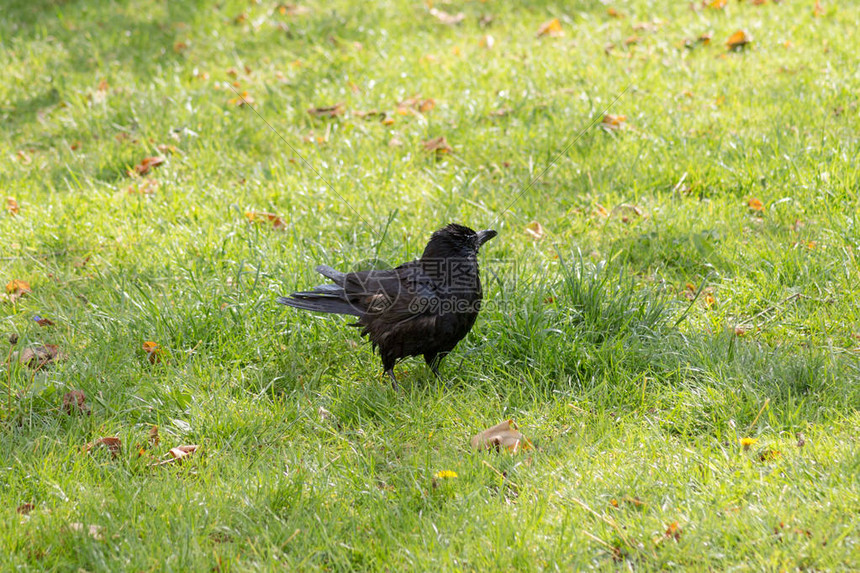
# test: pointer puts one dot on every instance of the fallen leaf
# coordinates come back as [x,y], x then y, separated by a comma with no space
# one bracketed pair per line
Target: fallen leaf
[738,40]
[613,13]
[755,204]
[242,99]
[75,402]
[17,287]
[179,454]
[112,443]
[179,47]
[370,114]
[147,164]
[632,40]
[710,301]
[39,355]
[12,206]
[152,436]
[25,508]
[328,111]
[535,230]
[437,144]
[705,38]
[717,4]
[503,435]
[635,502]
[153,351]
[257,217]
[768,455]
[551,29]
[613,122]
[673,531]
[416,103]
[95,531]
[446,18]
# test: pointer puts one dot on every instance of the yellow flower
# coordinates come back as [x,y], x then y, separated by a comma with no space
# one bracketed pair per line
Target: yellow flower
[444,474]
[748,442]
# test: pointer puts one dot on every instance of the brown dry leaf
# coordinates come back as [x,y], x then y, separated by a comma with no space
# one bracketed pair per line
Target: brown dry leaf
[153,436]
[738,40]
[551,29]
[768,455]
[180,47]
[535,230]
[710,301]
[39,355]
[95,531]
[635,502]
[755,204]
[147,164]
[673,531]
[705,38]
[12,206]
[446,18]
[112,443]
[613,13]
[632,40]
[437,144]
[25,508]
[75,402]
[613,122]
[179,454]
[240,100]
[504,435]
[415,103]
[328,111]
[153,351]
[370,114]
[257,217]
[17,287]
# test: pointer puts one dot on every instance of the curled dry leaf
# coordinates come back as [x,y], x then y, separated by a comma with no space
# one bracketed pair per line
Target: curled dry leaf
[112,443]
[259,217]
[147,164]
[370,114]
[17,287]
[613,122]
[153,351]
[551,29]
[12,206]
[25,508]
[446,18]
[504,435]
[242,99]
[152,436]
[755,204]
[738,40]
[43,322]
[179,454]
[437,144]
[39,355]
[328,111]
[75,402]
[415,103]
[535,230]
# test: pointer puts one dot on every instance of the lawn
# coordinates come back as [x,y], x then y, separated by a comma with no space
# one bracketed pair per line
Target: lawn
[671,310]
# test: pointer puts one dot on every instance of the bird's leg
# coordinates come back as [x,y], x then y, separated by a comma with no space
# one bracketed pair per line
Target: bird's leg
[390,373]
[433,361]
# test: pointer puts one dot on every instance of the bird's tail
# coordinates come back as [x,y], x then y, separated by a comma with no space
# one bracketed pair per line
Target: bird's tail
[319,302]
[324,298]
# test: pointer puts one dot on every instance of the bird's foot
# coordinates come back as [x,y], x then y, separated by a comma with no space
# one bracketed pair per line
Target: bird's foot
[393,379]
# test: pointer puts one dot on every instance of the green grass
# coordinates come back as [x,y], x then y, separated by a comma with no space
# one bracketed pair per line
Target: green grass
[635,397]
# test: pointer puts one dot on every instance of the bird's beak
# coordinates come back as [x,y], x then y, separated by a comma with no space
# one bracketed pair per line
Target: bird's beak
[484,236]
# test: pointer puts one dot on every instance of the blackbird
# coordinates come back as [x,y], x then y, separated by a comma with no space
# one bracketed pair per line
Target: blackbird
[423,307]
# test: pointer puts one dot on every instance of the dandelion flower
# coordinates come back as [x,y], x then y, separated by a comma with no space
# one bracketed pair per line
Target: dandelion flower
[747,443]
[445,474]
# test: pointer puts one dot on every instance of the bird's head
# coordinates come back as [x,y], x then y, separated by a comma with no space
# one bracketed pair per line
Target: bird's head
[456,241]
